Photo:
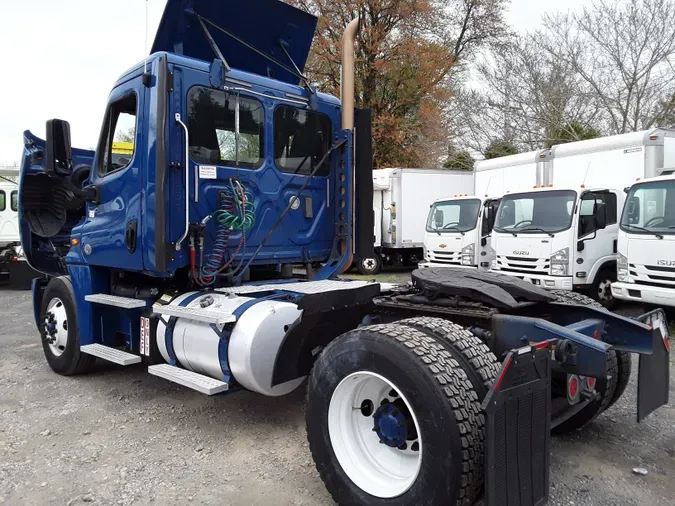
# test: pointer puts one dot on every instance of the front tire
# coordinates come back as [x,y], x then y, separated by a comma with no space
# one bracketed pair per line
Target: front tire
[601,289]
[369,266]
[394,384]
[59,329]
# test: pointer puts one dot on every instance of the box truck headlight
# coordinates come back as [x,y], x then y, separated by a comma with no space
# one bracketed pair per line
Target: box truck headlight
[560,262]
[622,268]
[468,253]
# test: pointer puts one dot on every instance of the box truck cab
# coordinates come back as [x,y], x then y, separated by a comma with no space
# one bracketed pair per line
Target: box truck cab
[646,244]
[559,239]
[458,232]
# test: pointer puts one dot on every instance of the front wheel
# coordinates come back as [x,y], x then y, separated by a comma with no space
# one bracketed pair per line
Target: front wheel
[392,419]
[59,329]
[369,266]
[601,289]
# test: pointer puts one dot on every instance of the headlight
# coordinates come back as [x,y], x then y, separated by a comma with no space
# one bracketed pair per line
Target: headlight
[622,268]
[560,262]
[468,253]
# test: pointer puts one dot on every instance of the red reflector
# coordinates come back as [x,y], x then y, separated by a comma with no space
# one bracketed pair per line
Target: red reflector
[502,375]
[596,335]
[666,342]
[542,345]
[574,387]
[591,383]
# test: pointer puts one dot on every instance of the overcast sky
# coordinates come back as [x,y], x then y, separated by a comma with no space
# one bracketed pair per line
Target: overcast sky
[60,57]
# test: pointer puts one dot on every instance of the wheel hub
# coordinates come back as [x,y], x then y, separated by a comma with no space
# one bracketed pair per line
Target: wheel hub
[56,326]
[390,425]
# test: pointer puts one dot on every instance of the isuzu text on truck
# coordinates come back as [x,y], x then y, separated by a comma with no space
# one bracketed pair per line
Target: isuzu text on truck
[180,257]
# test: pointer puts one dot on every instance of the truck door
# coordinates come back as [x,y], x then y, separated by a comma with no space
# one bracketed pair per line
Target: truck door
[110,236]
[598,244]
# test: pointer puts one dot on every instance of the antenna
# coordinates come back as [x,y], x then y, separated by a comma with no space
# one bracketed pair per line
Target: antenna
[583,185]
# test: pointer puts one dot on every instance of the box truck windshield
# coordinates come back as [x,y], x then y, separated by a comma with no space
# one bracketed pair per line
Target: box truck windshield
[650,209]
[547,211]
[453,216]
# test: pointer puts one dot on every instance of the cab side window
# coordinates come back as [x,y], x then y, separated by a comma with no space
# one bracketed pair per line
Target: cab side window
[117,145]
[14,201]
[587,211]
[3,200]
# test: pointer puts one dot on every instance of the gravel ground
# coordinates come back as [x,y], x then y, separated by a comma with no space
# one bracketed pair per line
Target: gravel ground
[121,436]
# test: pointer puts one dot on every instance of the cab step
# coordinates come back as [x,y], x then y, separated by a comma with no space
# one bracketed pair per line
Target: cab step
[117,301]
[193,380]
[195,314]
[111,354]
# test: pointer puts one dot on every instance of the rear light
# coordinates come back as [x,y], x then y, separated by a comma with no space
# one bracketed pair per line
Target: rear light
[573,390]
[590,383]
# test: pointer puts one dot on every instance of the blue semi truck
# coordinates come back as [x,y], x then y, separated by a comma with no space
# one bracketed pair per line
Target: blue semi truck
[180,257]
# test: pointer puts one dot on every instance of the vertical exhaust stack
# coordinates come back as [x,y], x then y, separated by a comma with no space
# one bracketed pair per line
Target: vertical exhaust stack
[347,78]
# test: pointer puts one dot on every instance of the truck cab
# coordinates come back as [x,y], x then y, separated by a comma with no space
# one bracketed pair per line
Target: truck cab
[560,238]
[646,263]
[458,231]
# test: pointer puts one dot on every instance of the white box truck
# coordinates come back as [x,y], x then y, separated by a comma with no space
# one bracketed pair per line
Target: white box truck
[563,233]
[646,248]
[401,202]
[13,266]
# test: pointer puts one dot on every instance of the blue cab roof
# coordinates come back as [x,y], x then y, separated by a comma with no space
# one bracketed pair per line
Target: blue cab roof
[264,24]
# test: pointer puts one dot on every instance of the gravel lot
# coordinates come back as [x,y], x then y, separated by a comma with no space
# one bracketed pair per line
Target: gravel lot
[121,436]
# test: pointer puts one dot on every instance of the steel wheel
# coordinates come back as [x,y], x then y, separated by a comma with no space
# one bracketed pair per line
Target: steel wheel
[369,265]
[56,326]
[375,434]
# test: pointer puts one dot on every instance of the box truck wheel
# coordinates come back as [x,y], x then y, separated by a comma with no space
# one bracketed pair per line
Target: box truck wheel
[59,329]
[369,265]
[390,419]
[601,289]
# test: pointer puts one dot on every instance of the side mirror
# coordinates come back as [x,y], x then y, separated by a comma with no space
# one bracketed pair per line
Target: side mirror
[633,210]
[600,216]
[483,241]
[438,218]
[580,246]
[59,154]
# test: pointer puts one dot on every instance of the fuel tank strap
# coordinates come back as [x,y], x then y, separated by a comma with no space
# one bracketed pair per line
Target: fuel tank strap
[171,324]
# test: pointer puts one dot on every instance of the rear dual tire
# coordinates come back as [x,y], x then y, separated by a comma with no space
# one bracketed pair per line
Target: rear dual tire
[432,400]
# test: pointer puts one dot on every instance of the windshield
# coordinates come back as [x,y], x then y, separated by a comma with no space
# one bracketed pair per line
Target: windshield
[650,208]
[453,216]
[547,212]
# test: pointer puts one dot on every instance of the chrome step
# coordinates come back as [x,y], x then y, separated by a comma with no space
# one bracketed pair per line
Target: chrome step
[110,354]
[117,301]
[193,380]
[195,314]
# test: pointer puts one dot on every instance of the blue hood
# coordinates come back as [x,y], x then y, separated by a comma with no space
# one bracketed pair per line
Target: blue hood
[260,23]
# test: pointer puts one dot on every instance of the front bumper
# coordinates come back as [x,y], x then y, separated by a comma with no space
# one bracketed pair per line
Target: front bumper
[642,293]
[547,282]
[427,265]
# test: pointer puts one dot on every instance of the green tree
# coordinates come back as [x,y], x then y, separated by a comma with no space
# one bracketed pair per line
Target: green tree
[499,148]
[459,160]
[571,132]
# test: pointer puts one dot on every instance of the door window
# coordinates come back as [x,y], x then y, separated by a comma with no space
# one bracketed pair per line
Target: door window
[587,211]
[14,201]
[117,145]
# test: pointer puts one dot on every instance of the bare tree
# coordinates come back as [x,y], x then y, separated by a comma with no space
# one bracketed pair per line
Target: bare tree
[625,53]
[523,96]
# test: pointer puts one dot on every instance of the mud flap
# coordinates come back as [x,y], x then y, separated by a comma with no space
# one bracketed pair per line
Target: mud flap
[654,370]
[518,443]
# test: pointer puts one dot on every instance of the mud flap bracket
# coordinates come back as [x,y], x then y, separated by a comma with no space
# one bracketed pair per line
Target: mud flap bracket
[518,442]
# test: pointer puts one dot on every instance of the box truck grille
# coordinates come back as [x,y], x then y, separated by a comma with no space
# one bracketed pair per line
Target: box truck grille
[446,257]
[523,265]
[653,275]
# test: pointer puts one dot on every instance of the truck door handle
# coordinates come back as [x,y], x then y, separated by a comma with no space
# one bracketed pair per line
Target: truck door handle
[131,236]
